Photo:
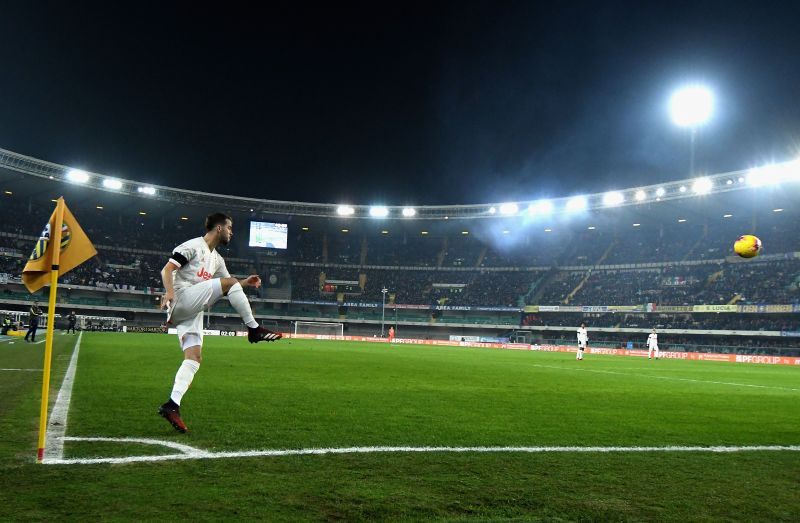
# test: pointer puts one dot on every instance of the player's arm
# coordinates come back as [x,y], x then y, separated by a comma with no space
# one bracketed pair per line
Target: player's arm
[168,279]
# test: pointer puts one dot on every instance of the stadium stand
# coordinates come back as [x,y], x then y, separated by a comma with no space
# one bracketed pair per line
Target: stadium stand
[481,279]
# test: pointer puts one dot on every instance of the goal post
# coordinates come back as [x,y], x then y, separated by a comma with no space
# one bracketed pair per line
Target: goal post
[319,328]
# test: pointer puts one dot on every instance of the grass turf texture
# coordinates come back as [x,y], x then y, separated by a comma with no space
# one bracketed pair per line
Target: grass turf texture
[300,394]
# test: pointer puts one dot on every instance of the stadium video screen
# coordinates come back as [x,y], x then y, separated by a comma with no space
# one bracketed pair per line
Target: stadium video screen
[268,234]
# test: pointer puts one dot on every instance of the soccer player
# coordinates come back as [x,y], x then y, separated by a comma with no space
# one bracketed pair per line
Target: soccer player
[652,345]
[195,277]
[391,334]
[583,340]
[33,322]
[73,319]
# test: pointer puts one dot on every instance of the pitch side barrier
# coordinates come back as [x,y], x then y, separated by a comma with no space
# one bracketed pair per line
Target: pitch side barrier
[700,356]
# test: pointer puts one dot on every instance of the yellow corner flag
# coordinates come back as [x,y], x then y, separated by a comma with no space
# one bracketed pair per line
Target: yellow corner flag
[75,249]
[61,247]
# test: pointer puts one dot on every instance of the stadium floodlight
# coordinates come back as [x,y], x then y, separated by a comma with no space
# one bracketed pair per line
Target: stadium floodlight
[146,189]
[702,186]
[640,195]
[77,176]
[577,203]
[727,215]
[409,212]
[660,192]
[492,210]
[691,106]
[613,198]
[345,210]
[379,211]
[509,208]
[637,224]
[728,182]
[540,207]
[774,173]
[682,188]
[112,183]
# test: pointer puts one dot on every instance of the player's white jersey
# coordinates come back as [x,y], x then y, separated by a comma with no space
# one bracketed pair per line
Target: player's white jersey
[196,263]
[652,340]
[583,335]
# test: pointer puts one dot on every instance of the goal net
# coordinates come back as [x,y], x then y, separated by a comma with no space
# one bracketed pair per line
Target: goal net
[319,328]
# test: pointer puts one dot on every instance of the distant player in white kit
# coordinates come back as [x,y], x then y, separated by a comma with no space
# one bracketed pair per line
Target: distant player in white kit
[652,345]
[583,341]
[194,278]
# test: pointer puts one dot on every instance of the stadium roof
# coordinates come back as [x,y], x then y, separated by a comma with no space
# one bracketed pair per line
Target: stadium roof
[775,185]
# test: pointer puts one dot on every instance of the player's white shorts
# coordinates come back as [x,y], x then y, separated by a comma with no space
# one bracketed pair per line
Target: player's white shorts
[654,347]
[582,345]
[187,313]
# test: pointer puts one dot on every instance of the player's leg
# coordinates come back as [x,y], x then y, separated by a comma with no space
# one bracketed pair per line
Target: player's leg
[191,340]
[231,288]
[649,353]
[656,351]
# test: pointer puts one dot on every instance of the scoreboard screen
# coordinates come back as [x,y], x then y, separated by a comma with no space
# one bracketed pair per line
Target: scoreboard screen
[268,234]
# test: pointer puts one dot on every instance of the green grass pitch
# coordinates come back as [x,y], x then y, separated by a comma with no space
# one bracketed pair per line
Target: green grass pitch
[298,394]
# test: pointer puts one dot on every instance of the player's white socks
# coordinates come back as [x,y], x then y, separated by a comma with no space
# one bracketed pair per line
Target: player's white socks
[183,378]
[239,301]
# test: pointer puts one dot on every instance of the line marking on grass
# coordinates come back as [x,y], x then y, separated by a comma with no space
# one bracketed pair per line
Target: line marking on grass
[57,425]
[598,371]
[26,370]
[190,453]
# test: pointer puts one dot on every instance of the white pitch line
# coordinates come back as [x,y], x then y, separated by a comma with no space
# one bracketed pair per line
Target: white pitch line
[200,454]
[57,425]
[26,370]
[667,378]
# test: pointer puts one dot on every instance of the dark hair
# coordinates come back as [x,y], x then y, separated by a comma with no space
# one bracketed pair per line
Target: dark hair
[218,218]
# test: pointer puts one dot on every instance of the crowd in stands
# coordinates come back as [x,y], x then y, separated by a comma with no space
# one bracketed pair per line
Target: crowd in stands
[151,238]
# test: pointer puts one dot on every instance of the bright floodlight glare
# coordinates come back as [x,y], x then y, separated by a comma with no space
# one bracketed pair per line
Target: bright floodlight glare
[702,186]
[691,106]
[640,195]
[509,208]
[682,188]
[774,173]
[408,212]
[660,192]
[577,203]
[345,210]
[541,207]
[492,210]
[613,198]
[77,176]
[112,183]
[150,191]
[378,211]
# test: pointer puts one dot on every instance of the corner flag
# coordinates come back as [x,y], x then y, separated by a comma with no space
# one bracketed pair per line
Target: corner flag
[61,247]
[75,249]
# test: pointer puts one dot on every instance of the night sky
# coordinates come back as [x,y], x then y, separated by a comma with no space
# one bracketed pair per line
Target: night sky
[462,102]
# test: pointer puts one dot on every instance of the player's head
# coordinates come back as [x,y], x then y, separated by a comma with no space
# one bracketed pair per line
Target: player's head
[583,325]
[221,225]
[654,330]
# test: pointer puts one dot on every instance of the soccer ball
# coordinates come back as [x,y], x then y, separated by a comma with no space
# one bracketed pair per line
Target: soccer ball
[747,246]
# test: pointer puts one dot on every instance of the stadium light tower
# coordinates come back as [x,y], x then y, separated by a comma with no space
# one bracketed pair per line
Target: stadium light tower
[691,107]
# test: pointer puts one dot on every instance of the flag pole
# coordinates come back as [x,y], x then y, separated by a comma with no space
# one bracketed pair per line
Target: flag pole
[55,244]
